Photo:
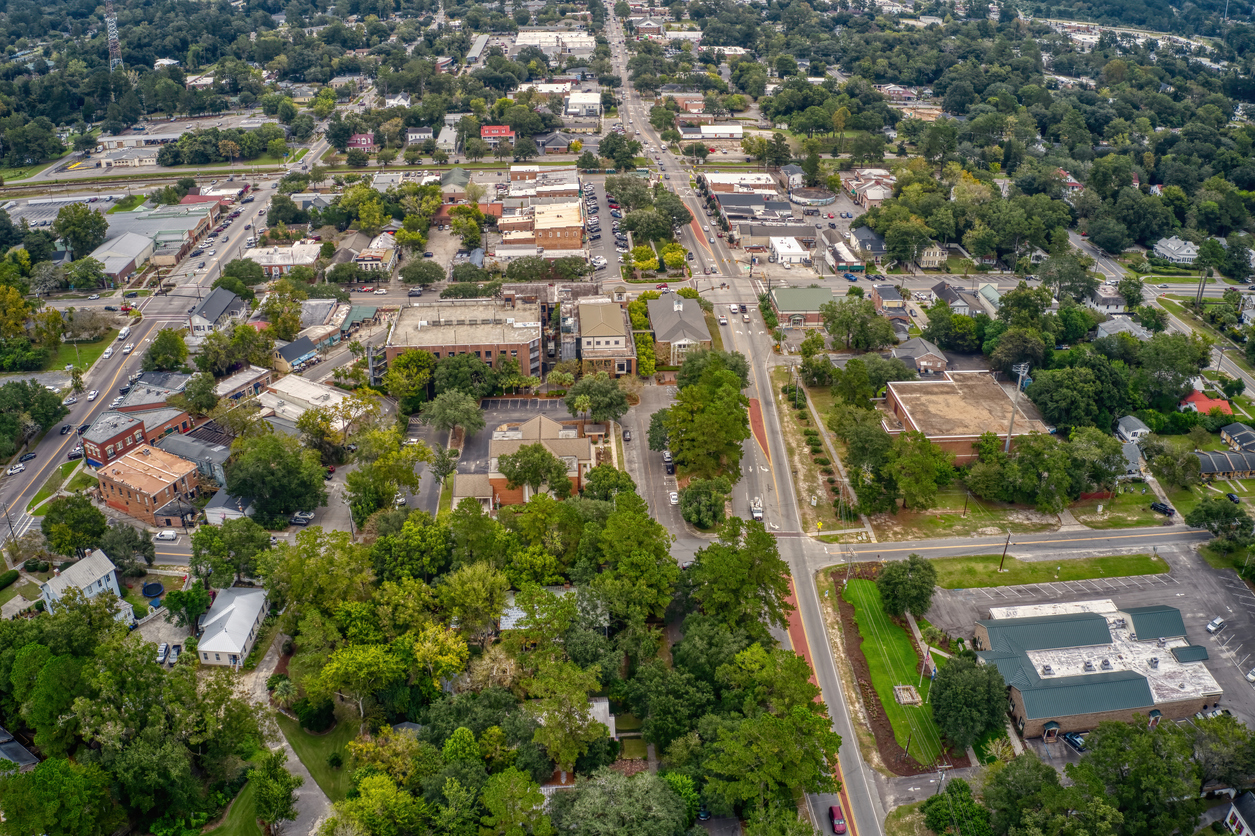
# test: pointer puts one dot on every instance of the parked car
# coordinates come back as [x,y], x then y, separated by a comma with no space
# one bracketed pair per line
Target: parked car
[302,518]
[675,498]
[429,254]
[111,307]
[93,297]
[66,429]
[1075,740]
[836,818]
[15,469]
[163,651]
[415,291]
[74,455]
[167,535]
[1215,625]
[1163,508]
[82,428]
[627,435]
[70,401]
[1233,498]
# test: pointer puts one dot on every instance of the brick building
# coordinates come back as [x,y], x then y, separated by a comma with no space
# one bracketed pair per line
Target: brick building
[489,329]
[566,440]
[559,226]
[954,411]
[114,433]
[605,342]
[151,485]
[1069,667]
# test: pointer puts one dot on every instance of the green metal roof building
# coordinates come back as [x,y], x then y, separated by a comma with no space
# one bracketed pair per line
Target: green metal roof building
[1070,670]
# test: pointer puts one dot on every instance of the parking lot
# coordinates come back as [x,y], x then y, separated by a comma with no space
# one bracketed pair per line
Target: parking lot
[1198,591]
[498,411]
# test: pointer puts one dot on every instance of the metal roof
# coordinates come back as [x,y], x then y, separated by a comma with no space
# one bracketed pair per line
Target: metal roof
[1193,653]
[1046,632]
[217,303]
[1241,434]
[1156,622]
[1088,694]
[801,299]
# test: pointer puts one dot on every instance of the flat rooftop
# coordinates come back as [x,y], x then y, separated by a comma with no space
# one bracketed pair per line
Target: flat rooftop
[442,325]
[1104,606]
[963,404]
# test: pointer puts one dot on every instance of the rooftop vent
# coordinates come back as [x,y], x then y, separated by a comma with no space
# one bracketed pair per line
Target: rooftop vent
[1154,661]
[1089,666]
[1046,670]
[1106,664]
[1162,642]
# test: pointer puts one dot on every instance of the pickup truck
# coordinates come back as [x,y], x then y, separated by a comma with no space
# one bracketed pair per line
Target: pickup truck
[756,509]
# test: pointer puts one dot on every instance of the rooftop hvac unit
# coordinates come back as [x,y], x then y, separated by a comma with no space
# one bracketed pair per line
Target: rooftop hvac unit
[1154,661]
[1106,664]
[1089,666]
[1046,670]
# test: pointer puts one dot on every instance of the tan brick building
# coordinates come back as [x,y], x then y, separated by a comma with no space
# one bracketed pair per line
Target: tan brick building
[560,226]
[1069,667]
[149,484]
[605,342]
[566,440]
[488,328]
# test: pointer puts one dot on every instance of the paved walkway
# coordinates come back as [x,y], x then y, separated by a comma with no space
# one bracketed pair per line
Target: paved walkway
[312,804]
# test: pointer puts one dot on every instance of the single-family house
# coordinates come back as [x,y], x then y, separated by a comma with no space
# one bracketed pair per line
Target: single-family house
[679,327]
[1176,251]
[1196,401]
[1131,428]
[419,134]
[1123,325]
[215,312]
[1107,300]
[230,628]
[921,355]
[362,142]
[94,575]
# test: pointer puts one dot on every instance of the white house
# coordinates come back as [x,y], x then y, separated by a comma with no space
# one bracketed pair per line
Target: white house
[1131,428]
[1241,817]
[217,310]
[793,176]
[787,250]
[1176,251]
[1106,299]
[230,628]
[93,575]
[225,507]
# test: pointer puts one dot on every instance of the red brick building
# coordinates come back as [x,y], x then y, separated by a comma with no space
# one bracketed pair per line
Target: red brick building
[149,484]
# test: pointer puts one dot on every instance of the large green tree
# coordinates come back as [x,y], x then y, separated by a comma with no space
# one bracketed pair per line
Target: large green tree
[532,466]
[968,699]
[167,352]
[274,795]
[741,579]
[81,227]
[454,408]
[59,798]
[907,586]
[278,474]
[72,525]
[606,399]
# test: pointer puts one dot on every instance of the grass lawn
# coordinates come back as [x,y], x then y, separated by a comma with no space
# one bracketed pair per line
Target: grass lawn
[22,172]
[906,820]
[55,479]
[269,629]
[8,593]
[1124,510]
[634,747]
[627,722]
[313,750]
[299,154]
[891,659]
[241,819]
[126,204]
[807,477]
[993,734]
[1184,499]
[716,337]
[81,481]
[446,499]
[84,356]
[982,570]
[947,518]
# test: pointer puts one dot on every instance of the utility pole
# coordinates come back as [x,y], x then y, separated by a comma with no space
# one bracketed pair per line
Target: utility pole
[1005,546]
[1020,369]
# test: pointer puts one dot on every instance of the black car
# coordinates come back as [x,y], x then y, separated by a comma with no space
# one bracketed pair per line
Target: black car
[670,468]
[627,435]
[122,390]
[66,429]
[415,291]
[1163,508]
[115,307]
[594,237]
[429,254]
[197,252]
[131,294]
[26,457]
[74,455]
[1233,498]
[82,428]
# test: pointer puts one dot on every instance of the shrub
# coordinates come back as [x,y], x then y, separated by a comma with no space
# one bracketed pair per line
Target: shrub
[31,565]
[274,679]
[832,480]
[140,610]
[314,716]
[335,760]
[8,578]
[39,605]
[822,461]
[827,471]
[811,433]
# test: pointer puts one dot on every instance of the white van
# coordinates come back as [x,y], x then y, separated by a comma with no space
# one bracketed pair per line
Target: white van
[124,333]
[251,242]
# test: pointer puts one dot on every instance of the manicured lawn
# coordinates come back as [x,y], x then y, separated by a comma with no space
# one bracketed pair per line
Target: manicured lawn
[81,481]
[627,722]
[241,819]
[1184,499]
[906,820]
[891,659]
[86,354]
[126,204]
[55,479]
[11,174]
[1124,510]
[982,570]
[8,593]
[634,747]
[314,749]
[446,499]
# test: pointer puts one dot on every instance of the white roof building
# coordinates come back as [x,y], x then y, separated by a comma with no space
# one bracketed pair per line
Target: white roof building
[93,575]
[124,254]
[229,630]
[292,396]
[788,250]
[276,261]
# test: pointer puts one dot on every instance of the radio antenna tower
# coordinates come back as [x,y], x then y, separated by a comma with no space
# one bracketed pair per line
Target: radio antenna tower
[115,47]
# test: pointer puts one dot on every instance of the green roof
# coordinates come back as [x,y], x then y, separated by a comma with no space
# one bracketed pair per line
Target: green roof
[800,299]
[1157,622]
[1047,632]
[1193,653]
[357,313]
[1087,694]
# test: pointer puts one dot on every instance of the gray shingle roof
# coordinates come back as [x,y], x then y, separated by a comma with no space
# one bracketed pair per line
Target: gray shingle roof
[1245,804]
[218,302]
[12,750]
[917,347]
[1129,423]
[1156,622]
[297,348]
[672,326]
[869,239]
[1229,461]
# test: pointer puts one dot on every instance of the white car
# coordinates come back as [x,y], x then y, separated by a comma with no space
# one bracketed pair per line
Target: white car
[91,396]
[168,535]
[723,320]
[381,292]
[675,498]
[734,308]
[400,499]
[213,252]
[17,468]
[93,297]
[108,353]
[116,401]
[128,348]
[71,400]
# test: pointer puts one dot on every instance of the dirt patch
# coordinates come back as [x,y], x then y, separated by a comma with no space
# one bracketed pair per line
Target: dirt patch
[895,758]
[630,766]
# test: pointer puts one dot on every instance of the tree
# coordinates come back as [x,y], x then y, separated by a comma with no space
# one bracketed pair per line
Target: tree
[609,802]
[1227,521]
[907,586]
[72,525]
[223,554]
[607,400]
[357,672]
[1132,289]
[968,699]
[274,790]
[444,462]
[167,352]
[466,373]
[454,408]
[709,421]
[702,501]
[741,579]
[658,430]
[184,606]
[475,596]
[126,546]
[59,798]
[919,467]
[279,475]
[515,805]
[605,481]
[1147,773]
[1109,235]
[648,225]
[560,703]
[408,377]
[640,577]
[81,227]
[955,810]
[422,273]
[531,466]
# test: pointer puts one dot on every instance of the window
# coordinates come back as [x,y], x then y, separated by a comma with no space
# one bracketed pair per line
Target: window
[109,450]
[217,658]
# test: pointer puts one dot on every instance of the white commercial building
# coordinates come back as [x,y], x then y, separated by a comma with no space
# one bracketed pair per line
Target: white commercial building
[788,250]
[583,104]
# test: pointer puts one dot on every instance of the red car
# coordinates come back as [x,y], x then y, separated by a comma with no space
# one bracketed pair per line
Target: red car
[837,819]
[831,215]
[663,286]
